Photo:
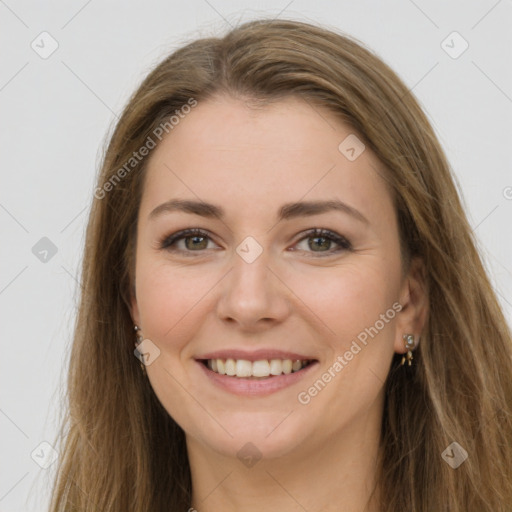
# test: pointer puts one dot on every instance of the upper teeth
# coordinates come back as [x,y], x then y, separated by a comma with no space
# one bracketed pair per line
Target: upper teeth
[261,368]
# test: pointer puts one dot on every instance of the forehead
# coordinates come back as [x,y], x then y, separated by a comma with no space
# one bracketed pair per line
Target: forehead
[247,158]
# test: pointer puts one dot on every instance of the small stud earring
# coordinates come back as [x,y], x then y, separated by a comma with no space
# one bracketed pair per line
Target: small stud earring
[409,345]
[137,343]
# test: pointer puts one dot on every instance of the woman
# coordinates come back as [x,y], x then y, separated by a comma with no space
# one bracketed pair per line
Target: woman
[277,232]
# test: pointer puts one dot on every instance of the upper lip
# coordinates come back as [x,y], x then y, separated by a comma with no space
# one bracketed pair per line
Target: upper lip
[255,355]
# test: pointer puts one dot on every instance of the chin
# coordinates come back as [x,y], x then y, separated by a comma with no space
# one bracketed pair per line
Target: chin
[259,434]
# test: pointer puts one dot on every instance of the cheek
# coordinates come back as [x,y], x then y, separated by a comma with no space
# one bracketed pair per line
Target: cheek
[168,298]
[348,298]
[355,304]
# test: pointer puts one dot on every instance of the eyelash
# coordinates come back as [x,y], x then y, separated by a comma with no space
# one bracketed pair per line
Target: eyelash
[168,241]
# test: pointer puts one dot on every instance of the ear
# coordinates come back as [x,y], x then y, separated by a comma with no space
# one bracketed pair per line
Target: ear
[414,301]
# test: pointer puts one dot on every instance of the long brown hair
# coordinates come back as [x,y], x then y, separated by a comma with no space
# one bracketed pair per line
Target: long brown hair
[120,449]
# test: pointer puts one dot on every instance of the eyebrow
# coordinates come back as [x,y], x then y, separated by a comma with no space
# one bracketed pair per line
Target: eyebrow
[286,212]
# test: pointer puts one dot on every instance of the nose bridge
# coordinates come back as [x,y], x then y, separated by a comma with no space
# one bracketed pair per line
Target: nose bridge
[250,269]
[251,291]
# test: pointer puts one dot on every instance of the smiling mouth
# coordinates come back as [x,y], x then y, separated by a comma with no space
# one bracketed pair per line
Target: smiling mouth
[261,369]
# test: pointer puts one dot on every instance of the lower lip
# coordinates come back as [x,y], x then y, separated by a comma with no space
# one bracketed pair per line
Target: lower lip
[256,387]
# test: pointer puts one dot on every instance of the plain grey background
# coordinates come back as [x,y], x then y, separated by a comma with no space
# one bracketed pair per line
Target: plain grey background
[56,112]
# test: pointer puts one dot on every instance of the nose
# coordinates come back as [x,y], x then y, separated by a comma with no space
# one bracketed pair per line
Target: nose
[253,295]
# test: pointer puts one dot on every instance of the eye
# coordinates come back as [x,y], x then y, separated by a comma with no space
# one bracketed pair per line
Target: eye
[196,240]
[323,239]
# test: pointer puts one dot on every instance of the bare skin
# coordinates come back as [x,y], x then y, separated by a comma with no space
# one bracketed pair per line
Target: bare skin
[302,294]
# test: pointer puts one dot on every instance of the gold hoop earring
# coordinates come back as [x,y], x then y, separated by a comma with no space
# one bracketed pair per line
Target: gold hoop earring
[138,355]
[409,345]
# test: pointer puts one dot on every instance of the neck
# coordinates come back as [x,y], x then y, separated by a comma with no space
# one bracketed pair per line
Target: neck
[335,472]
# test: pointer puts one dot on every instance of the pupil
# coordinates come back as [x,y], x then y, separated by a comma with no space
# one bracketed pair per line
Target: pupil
[320,238]
[195,238]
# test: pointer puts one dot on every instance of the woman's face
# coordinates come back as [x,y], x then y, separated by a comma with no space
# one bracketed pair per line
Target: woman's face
[257,285]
